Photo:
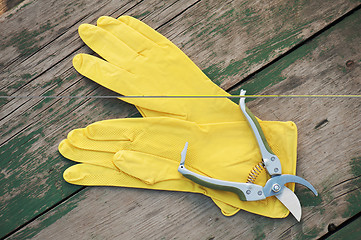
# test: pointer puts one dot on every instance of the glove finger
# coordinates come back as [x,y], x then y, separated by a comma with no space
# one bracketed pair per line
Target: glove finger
[136,41]
[124,82]
[148,168]
[91,175]
[104,73]
[102,159]
[227,209]
[145,129]
[117,129]
[79,139]
[107,45]
[145,30]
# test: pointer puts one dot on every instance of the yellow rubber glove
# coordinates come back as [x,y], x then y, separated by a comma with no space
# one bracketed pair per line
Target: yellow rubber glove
[140,61]
[145,153]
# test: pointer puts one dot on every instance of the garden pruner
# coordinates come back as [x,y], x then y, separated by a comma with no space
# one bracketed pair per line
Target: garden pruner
[249,191]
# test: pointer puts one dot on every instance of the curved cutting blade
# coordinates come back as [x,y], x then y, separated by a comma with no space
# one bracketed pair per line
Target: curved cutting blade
[282,180]
[291,202]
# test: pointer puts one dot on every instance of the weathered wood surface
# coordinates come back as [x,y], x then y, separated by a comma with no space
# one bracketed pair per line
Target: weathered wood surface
[233,40]
[329,157]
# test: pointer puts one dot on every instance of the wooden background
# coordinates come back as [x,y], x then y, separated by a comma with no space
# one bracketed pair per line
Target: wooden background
[266,47]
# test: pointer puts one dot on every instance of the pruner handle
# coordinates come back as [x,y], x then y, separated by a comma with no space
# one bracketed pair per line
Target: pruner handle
[245,191]
[270,160]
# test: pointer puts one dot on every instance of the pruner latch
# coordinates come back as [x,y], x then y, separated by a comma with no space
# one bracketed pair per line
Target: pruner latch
[275,186]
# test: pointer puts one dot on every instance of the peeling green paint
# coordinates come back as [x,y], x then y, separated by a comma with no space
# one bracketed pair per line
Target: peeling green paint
[26,76]
[258,232]
[3,100]
[71,77]
[17,84]
[41,103]
[213,71]
[273,75]
[55,81]
[354,198]
[354,204]
[140,16]
[258,55]
[45,27]
[20,174]
[307,198]
[356,167]
[48,219]
[219,29]
[13,128]
[249,16]
[220,24]
[226,15]
[26,41]
[25,5]
[75,93]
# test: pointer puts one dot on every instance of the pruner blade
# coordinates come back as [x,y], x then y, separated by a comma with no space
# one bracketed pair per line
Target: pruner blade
[275,186]
[291,202]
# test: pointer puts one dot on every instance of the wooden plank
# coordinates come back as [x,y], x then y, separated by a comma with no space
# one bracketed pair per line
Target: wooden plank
[231,39]
[36,60]
[329,157]
[349,232]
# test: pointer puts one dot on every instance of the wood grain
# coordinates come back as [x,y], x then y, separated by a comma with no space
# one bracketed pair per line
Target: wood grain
[228,40]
